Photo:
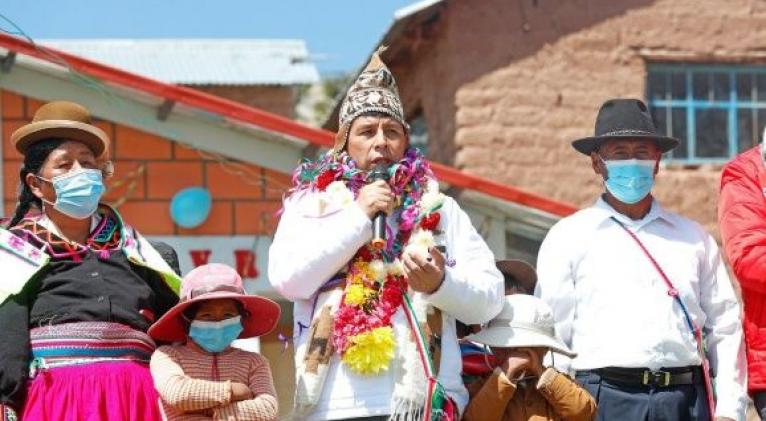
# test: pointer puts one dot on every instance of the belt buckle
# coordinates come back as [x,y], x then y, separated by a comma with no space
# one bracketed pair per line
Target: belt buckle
[656,378]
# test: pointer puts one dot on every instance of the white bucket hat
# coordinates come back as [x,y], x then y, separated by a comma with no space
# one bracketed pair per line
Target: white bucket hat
[525,321]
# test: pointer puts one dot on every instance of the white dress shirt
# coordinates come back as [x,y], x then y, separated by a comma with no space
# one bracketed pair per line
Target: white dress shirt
[612,306]
[307,251]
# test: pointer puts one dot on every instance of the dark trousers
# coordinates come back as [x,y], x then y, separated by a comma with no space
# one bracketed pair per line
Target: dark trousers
[759,400]
[642,403]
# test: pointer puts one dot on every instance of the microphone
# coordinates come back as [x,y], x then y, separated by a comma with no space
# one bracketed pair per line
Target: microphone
[380,172]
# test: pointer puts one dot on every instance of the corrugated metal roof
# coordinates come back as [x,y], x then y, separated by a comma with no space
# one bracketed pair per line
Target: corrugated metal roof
[201,61]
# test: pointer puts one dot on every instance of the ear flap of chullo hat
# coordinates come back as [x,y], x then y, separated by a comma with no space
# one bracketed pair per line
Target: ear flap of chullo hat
[374,90]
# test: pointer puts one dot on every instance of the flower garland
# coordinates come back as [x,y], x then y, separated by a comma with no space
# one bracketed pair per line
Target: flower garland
[375,280]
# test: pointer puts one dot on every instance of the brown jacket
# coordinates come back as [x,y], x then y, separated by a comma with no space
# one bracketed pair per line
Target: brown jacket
[556,397]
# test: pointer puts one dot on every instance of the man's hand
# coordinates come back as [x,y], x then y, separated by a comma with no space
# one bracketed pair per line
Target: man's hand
[376,197]
[240,392]
[425,273]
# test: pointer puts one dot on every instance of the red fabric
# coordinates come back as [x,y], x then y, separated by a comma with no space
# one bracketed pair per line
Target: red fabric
[476,364]
[742,220]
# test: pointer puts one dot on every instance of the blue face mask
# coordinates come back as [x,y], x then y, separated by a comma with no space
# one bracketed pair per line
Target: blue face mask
[215,336]
[77,192]
[629,180]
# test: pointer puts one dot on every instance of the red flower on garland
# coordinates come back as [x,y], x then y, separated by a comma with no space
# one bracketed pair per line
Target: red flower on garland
[365,254]
[430,221]
[325,179]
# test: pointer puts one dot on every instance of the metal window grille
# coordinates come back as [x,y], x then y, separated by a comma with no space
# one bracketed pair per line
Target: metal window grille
[716,111]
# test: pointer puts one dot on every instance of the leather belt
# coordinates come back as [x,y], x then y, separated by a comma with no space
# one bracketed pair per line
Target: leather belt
[644,377]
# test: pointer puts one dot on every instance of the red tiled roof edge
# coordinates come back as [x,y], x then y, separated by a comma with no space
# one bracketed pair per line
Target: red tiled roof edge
[264,119]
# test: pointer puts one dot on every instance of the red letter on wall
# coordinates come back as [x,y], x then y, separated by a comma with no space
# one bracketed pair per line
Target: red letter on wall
[200,257]
[246,263]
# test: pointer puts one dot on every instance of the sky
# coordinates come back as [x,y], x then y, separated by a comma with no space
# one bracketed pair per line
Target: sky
[340,33]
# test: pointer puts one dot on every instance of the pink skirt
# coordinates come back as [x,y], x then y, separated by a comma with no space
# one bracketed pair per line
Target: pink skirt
[98,391]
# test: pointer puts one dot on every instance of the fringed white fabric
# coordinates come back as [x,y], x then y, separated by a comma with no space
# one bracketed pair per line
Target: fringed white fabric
[410,389]
[309,386]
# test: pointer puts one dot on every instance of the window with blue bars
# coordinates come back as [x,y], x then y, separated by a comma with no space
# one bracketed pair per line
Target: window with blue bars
[716,111]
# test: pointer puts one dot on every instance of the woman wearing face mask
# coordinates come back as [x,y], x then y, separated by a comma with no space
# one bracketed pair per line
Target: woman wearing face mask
[80,286]
[201,376]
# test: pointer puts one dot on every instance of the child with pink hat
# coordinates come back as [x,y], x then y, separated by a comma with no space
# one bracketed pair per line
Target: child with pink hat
[201,376]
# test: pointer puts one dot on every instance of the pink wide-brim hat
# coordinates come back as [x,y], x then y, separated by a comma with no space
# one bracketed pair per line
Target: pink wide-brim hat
[215,281]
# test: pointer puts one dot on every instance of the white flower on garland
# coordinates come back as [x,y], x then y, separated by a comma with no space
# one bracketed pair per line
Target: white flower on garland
[421,241]
[395,268]
[337,193]
[432,198]
[378,269]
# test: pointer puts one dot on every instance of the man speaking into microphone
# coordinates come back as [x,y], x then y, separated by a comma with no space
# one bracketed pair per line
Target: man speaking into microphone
[375,309]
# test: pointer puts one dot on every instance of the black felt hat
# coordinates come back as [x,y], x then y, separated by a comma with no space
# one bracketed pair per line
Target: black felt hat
[624,119]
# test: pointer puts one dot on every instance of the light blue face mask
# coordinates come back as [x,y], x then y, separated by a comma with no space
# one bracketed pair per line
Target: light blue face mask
[215,336]
[629,180]
[77,192]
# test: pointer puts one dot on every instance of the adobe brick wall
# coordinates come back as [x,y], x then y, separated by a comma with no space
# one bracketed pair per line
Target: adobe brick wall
[277,99]
[503,99]
[245,196]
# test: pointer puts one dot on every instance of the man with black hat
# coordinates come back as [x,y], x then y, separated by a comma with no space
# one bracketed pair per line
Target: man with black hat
[634,288]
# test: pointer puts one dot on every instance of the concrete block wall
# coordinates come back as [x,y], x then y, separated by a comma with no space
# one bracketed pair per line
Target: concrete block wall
[245,197]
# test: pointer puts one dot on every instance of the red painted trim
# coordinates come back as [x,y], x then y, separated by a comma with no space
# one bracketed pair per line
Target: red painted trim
[464,180]
[268,121]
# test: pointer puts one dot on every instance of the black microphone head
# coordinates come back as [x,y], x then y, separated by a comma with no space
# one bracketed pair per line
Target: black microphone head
[380,172]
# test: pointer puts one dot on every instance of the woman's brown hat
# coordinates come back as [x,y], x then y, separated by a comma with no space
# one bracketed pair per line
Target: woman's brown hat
[62,120]
[522,272]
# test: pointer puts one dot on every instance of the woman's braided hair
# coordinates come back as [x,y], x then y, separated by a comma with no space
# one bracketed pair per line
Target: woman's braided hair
[34,158]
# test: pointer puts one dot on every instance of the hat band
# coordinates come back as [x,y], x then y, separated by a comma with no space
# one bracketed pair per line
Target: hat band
[196,292]
[627,131]
[376,109]
[547,331]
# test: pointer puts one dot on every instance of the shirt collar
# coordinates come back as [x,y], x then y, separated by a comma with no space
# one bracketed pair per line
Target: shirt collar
[605,211]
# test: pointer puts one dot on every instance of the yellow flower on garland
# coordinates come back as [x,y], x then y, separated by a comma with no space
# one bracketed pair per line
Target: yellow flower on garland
[371,351]
[361,272]
[357,294]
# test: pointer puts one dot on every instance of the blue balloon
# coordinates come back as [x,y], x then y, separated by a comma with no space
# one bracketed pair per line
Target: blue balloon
[190,207]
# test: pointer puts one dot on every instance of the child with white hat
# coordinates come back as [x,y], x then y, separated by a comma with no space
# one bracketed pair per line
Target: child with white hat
[520,388]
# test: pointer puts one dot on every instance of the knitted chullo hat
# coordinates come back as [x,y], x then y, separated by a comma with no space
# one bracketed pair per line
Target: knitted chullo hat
[374,91]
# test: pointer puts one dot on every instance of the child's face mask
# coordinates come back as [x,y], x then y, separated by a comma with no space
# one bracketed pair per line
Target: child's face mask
[215,336]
